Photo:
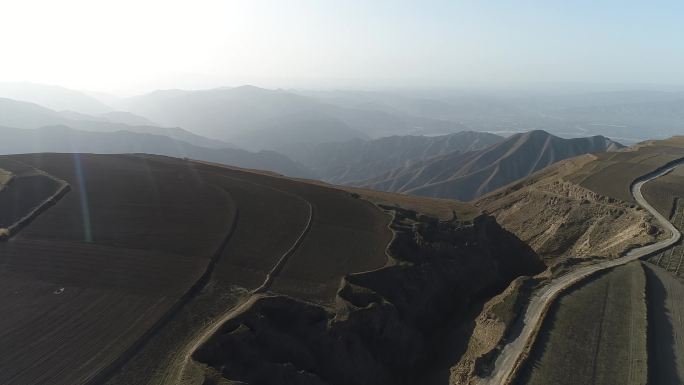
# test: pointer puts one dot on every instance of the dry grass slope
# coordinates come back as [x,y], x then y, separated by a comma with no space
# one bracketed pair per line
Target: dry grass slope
[549,210]
[559,218]
[467,176]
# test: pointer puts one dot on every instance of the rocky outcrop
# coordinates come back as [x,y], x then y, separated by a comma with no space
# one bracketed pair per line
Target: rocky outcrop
[385,325]
[558,218]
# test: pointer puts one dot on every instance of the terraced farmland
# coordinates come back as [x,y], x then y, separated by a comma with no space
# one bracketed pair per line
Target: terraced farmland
[612,173]
[665,191]
[24,193]
[92,280]
[347,234]
[672,259]
[594,334]
[88,278]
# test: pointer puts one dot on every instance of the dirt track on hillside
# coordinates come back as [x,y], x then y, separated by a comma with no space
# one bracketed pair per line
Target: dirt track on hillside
[514,353]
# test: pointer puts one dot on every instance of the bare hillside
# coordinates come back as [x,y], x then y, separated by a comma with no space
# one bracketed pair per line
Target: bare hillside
[466,176]
[579,207]
[355,160]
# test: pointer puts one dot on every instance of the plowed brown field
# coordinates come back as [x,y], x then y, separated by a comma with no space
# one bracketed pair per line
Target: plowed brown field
[89,280]
[595,333]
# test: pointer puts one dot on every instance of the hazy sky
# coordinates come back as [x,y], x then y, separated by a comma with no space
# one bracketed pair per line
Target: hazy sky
[135,45]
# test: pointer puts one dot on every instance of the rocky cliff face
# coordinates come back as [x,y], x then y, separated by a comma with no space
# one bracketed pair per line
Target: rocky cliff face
[558,218]
[385,326]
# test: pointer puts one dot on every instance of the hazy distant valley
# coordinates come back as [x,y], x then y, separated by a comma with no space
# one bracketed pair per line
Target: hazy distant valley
[392,142]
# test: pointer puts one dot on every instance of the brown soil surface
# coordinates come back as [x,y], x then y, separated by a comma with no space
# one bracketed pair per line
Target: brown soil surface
[612,173]
[443,209]
[89,277]
[387,325]
[672,259]
[104,280]
[347,234]
[594,334]
[665,191]
[22,195]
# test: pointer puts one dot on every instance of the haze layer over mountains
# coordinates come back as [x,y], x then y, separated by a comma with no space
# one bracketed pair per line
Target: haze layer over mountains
[452,144]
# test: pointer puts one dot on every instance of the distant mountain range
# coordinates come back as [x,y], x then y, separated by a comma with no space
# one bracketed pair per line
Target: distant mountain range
[255,118]
[64,139]
[19,114]
[53,97]
[354,138]
[632,115]
[465,176]
[461,166]
[122,117]
[355,160]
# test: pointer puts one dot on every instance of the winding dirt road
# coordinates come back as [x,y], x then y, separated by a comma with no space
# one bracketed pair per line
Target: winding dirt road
[513,354]
[176,370]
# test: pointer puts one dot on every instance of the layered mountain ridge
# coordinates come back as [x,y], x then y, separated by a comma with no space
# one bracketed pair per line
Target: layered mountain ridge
[465,176]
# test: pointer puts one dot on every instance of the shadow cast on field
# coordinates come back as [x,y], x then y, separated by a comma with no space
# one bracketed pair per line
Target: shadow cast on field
[453,343]
[662,365]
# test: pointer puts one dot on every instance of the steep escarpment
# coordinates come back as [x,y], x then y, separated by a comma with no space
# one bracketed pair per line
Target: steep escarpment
[495,324]
[559,218]
[387,325]
[583,206]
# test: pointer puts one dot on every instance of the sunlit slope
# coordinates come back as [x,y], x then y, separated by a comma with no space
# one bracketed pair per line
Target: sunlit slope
[466,176]
[583,207]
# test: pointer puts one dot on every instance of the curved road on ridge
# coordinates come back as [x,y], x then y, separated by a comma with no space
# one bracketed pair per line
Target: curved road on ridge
[514,353]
